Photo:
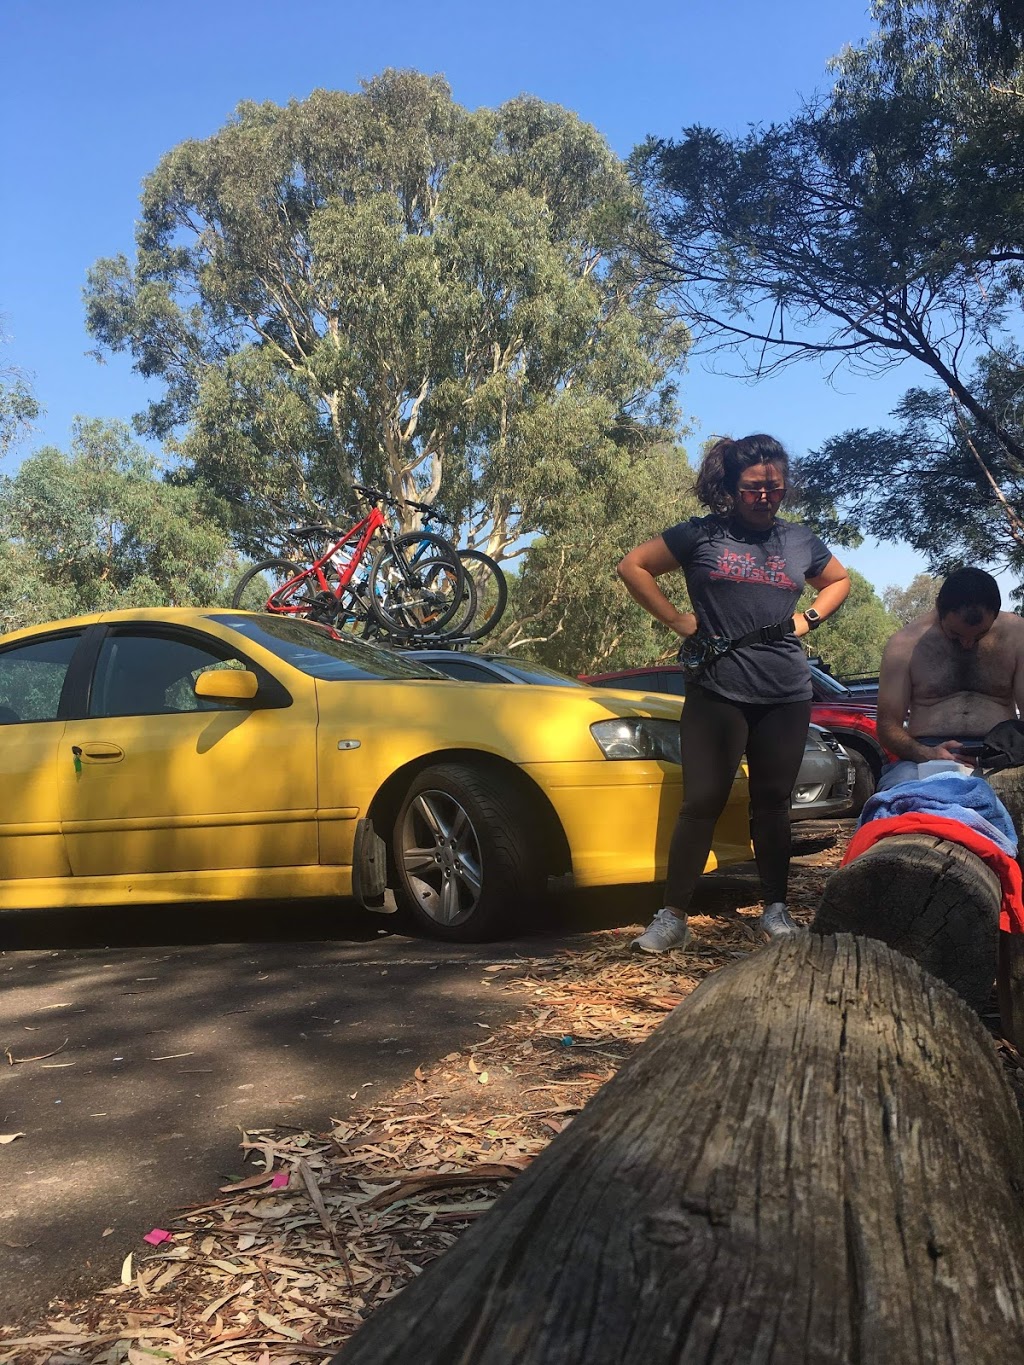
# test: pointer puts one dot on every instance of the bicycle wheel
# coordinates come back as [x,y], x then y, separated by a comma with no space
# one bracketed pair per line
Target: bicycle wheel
[278,585]
[491,595]
[415,584]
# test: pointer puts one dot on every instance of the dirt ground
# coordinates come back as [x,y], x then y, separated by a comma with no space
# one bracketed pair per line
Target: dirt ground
[284,1265]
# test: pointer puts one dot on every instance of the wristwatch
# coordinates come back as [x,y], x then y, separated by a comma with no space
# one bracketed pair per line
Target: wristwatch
[812,618]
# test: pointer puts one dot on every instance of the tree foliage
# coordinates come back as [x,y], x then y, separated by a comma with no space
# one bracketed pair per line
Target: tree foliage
[567,607]
[19,406]
[851,641]
[884,222]
[936,479]
[386,287]
[97,528]
[915,600]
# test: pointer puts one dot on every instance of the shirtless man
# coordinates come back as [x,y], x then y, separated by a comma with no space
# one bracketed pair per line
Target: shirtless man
[951,675]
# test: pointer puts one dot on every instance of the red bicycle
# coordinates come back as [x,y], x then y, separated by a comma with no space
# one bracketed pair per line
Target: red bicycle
[413,587]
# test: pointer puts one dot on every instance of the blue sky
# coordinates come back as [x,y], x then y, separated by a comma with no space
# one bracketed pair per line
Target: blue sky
[94,94]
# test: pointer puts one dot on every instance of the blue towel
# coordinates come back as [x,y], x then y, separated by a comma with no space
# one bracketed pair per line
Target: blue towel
[967,799]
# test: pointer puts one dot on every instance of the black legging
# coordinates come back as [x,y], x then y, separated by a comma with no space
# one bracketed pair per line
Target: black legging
[714,733]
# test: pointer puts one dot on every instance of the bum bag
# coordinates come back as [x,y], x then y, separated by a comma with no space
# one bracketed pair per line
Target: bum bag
[698,652]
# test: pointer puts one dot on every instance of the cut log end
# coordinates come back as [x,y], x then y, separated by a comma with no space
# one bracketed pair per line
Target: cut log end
[929,899]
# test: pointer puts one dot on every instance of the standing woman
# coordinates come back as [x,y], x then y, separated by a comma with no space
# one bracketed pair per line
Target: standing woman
[745,569]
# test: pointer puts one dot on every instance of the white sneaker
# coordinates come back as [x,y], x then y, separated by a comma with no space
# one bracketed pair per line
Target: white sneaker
[666,930]
[777,922]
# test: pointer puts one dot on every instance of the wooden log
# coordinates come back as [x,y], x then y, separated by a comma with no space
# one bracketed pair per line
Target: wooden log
[929,899]
[816,1158]
[1009,787]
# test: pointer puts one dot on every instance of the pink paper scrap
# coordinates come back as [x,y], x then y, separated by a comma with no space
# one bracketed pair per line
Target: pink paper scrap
[157,1236]
[279,1181]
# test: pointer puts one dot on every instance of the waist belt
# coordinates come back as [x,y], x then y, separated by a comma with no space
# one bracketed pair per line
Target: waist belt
[700,651]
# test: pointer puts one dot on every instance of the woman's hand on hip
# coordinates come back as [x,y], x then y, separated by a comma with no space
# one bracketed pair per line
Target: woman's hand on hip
[685,625]
[801,626]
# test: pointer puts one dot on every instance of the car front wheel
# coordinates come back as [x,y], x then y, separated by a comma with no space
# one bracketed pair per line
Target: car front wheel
[467,856]
[864,781]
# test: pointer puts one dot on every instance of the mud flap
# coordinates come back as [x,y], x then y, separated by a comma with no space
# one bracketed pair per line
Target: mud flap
[369,870]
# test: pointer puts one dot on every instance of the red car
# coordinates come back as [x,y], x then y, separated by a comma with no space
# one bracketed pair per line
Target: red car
[852,722]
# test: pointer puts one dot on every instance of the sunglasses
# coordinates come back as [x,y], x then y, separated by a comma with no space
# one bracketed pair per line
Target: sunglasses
[773,492]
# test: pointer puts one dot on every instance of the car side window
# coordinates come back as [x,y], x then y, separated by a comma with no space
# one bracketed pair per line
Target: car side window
[465,672]
[32,678]
[141,674]
[669,680]
[641,682]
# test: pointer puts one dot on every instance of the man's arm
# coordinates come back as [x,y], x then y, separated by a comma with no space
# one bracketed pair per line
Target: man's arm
[894,697]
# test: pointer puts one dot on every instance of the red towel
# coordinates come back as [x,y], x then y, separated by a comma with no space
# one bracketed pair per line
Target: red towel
[1007,869]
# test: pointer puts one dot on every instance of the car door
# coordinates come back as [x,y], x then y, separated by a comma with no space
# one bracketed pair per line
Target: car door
[33,674]
[154,779]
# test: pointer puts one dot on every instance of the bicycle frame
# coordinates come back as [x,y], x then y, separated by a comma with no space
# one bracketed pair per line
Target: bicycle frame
[363,532]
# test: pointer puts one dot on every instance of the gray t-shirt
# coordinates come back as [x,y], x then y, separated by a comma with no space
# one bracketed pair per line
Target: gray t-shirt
[739,580]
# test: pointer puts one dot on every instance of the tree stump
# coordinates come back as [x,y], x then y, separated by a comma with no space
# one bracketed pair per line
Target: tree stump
[929,899]
[816,1158]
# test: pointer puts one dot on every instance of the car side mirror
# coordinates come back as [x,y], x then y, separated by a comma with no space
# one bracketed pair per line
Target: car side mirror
[227,684]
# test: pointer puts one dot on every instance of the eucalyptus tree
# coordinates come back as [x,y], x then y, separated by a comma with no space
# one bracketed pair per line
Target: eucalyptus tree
[98,527]
[916,599]
[882,223]
[19,406]
[384,287]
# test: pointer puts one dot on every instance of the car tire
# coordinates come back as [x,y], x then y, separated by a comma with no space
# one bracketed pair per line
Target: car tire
[467,855]
[863,783]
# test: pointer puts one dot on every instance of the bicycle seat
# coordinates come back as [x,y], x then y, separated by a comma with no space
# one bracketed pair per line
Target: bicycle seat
[312,529]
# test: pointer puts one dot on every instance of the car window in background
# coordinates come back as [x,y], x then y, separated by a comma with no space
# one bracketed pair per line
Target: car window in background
[654,680]
[321,653]
[145,674]
[537,673]
[463,670]
[32,678]
[826,685]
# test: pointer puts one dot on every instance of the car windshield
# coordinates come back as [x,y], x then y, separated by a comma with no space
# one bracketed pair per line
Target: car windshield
[537,673]
[320,652]
[829,684]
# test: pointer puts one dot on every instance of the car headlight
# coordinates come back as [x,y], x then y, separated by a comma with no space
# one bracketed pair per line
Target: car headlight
[638,737]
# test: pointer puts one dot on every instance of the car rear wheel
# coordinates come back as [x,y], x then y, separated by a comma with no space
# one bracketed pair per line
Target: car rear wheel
[467,855]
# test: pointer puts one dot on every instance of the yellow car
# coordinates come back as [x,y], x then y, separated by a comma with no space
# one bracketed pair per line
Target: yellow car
[182,755]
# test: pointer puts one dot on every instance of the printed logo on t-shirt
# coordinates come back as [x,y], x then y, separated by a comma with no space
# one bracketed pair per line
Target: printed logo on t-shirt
[744,568]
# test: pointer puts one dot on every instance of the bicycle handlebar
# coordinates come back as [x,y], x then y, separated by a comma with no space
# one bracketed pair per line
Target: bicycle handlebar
[375,495]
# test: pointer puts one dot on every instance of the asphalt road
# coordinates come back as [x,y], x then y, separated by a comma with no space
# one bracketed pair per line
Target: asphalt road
[136,1046]
[132,1067]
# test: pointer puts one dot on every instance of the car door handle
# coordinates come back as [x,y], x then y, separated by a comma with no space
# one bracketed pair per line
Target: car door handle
[97,753]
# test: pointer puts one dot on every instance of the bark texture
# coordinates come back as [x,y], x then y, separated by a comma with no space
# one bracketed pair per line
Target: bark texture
[815,1159]
[1009,787]
[929,899]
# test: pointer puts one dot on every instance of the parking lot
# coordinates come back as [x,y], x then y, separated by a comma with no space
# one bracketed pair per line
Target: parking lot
[140,1045]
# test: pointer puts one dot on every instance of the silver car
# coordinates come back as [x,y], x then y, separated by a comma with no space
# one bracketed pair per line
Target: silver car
[824,784]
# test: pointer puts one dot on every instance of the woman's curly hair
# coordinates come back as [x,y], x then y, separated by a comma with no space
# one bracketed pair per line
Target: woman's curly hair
[721,467]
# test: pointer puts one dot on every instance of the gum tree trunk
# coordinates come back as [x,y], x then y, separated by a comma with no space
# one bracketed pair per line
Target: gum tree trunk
[815,1159]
